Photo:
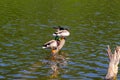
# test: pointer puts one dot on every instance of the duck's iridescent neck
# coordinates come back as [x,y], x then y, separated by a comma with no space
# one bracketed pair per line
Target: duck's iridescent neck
[57,38]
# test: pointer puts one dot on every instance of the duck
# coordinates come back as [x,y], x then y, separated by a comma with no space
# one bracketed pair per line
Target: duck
[62,32]
[55,45]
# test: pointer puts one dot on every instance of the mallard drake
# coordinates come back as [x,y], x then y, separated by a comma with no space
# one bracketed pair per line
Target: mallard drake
[55,45]
[62,32]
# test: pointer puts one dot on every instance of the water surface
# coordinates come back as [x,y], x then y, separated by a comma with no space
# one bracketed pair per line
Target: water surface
[26,25]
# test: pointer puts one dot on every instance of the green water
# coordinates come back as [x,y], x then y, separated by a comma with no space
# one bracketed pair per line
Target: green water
[26,25]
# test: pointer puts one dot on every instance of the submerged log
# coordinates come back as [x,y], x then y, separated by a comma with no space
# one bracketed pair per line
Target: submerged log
[61,44]
[113,63]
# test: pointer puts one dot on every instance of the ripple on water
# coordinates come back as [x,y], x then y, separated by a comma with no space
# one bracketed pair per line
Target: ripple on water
[4,71]
[0,48]
[91,66]
[4,64]
[2,77]
[1,60]
[26,53]
[22,76]
[7,44]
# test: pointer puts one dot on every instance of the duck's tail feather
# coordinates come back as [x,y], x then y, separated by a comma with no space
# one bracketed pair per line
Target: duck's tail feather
[44,46]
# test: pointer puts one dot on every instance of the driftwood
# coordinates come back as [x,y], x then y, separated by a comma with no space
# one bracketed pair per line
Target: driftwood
[113,63]
[61,44]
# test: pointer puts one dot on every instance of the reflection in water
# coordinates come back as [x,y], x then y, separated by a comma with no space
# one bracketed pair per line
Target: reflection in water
[57,63]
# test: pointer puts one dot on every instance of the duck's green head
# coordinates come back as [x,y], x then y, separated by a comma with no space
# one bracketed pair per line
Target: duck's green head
[57,38]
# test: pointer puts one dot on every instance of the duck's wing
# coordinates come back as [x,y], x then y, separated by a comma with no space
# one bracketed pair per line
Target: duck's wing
[50,44]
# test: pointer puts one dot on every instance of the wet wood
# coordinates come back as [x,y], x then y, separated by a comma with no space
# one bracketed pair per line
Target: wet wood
[113,63]
[61,44]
